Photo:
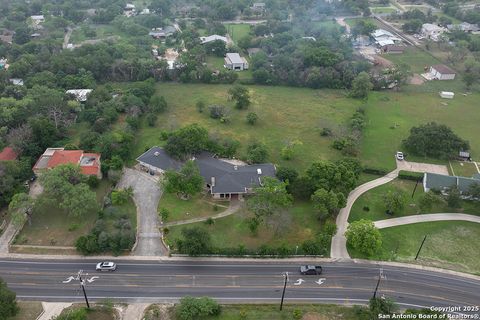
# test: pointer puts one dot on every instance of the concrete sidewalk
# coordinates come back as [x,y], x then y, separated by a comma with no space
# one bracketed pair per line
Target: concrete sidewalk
[52,309]
[387,223]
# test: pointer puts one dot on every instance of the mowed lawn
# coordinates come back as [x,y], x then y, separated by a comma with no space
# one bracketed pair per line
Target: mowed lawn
[449,245]
[290,228]
[285,114]
[416,58]
[272,312]
[198,206]
[463,169]
[52,226]
[391,115]
[238,31]
[373,199]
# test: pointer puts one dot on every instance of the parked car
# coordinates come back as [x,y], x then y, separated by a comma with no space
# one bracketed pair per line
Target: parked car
[399,155]
[310,270]
[106,266]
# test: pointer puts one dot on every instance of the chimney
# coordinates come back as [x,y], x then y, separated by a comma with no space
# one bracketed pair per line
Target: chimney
[212,184]
[259,171]
[156,153]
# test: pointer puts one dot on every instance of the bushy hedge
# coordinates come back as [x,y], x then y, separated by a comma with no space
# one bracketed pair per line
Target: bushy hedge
[377,171]
[409,175]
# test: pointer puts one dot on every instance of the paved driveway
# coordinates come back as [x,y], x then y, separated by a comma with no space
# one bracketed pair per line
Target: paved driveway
[381,224]
[146,194]
[422,167]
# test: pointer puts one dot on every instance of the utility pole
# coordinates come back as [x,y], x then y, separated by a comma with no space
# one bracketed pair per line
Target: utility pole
[378,282]
[415,189]
[421,245]
[285,277]
[82,284]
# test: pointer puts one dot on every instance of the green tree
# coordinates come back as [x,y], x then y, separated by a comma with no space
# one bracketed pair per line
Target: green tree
[157,104]
[474,190]
[269,197]
[427,201]
[434,140]
[384,306]
[21,207]
[454,199]
[197,308]
[240,95]
[394,201]
[340,176]
[286,174]
[185,183]
[361,86]
[8,303]
[187,141]
[195,241]
[328,202]
[256,152]
[363,236]
[65,185]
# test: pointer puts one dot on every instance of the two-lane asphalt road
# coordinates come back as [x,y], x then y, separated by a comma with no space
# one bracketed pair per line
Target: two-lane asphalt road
[233,282]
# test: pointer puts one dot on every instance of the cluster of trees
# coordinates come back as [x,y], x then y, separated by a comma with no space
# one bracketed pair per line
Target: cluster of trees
[8,303]
[113,231]
[453,9]
[435,140]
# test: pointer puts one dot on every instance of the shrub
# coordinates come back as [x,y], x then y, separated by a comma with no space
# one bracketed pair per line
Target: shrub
[76,314]
[209,221]
[377,171]
[409,175]
[93,181]
[119,197]
[326,132]
[164,135]
[252,118]
[87,244]
[257,152]
[200,106]
[8,304]
[217,111]
[195,308]
[151,119]
[164,213]
[73,226]
[297,314]
[330,228]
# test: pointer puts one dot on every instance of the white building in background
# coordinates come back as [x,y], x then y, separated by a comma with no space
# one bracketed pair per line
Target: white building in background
[213,37]
[233,61]
[432,31]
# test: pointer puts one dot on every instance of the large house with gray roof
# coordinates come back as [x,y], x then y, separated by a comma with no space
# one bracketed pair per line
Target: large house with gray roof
[443,183]
[223,179]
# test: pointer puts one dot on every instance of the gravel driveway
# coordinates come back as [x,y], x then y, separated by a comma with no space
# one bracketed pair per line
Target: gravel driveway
[146,194]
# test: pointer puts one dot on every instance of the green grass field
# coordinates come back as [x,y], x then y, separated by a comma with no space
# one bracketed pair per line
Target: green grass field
[285,114]
[391,115]
[198,206]
[238,31]
[380,10]
[271,312]
[292,227]
[462,169]
[417,59]
[52,226]
[373,199]
[449,245]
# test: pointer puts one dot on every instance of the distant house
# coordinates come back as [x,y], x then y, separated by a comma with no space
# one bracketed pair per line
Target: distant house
[162,33]
[16,82]
[213,37]
[444,183]
[441,72]
[80,95]
[393,49]
[7,37]
[309,38]
[52,157]
[222,178]
[432,31]
[145,11]
[383,38]
[37,19]
[129,10]
[258,7]
[464,155]
[233,61]
[8,154]
[465,27]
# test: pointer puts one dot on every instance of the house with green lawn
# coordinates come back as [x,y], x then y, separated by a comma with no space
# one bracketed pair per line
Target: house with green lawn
[443,183]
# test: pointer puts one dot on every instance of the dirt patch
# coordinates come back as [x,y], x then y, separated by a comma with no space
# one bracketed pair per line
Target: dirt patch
[381,61]
[417,79]
[422,167]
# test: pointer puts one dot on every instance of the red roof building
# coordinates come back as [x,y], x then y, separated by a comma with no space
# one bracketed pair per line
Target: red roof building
[8,154]
[89,162]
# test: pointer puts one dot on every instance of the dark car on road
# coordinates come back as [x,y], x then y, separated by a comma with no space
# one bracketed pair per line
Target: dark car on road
[310,270]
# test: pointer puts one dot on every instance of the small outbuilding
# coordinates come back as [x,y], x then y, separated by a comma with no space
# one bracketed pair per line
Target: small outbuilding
[442,72]
[233,61]
[447,94]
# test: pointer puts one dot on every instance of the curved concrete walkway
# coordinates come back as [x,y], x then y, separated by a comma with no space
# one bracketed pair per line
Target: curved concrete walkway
[387,223]
[338,249]
[234,206]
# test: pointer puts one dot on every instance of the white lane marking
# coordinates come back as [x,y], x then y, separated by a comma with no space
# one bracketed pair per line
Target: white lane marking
[68,279]
[92,279]
[299,282]
[320,281]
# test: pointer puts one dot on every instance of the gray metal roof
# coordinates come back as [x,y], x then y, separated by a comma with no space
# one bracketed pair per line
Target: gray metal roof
[158,158]
[439,181]
[234,57]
